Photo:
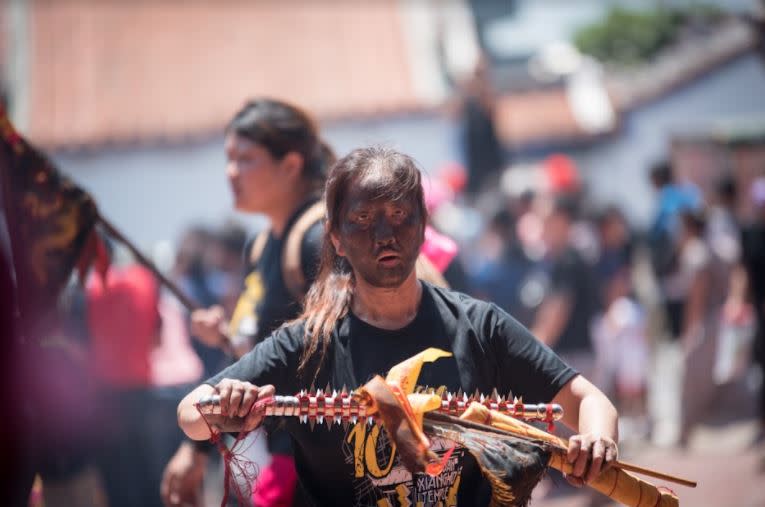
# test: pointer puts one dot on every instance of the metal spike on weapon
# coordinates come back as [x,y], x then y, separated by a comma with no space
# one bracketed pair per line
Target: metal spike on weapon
[476,395]
[346,424]
[344,408]
[312,423]
[459,393]
[494,395]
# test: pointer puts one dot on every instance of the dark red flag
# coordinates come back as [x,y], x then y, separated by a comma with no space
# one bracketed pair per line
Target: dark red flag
[52,226]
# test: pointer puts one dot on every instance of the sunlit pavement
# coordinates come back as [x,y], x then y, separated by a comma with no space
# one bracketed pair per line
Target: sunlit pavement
[730,470]
[724,454]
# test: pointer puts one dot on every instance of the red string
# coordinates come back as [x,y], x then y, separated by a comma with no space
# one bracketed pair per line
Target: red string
[549,418]
[235,463]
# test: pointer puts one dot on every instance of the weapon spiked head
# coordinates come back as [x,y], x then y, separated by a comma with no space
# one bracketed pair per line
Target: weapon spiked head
[494,395]
[320,419]
[460,394]
[312,423]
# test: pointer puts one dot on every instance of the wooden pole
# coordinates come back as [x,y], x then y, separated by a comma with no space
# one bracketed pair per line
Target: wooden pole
[225,340]
[177,292]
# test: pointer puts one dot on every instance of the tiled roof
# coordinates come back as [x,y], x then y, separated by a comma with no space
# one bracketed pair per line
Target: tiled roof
[526,118]
[151,71]
[106,72]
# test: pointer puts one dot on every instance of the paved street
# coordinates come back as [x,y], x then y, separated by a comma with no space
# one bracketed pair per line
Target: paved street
[723,454]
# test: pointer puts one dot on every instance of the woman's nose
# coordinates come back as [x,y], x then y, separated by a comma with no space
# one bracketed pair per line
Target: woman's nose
[383,231]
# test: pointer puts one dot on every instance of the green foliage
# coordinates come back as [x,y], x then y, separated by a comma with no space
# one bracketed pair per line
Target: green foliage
[628,37]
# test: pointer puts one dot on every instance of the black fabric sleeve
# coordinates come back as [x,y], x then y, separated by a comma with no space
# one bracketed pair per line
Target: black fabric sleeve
[310,251]
[526,366]
[272,361]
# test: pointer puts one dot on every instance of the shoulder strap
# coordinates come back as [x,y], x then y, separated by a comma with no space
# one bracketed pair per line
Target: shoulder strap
[427,271]
[258,245]
[292,268]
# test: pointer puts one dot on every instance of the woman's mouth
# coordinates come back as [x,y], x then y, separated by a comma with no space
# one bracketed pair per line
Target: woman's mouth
[388,259]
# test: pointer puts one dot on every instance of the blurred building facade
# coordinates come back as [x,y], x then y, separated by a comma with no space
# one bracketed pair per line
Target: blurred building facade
[131,98]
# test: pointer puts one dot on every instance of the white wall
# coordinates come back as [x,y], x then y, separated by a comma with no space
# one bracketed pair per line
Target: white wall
[617,170]
[152,194]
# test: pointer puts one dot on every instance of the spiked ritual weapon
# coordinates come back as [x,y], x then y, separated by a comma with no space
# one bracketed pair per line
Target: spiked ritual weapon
[343,407]
[511,453]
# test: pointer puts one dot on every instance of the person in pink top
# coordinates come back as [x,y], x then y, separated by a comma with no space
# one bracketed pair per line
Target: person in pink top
[124,326]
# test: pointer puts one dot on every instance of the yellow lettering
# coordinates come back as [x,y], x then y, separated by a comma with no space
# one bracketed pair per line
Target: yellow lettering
[358,434]
[451,499]
[403,495]
[370,455]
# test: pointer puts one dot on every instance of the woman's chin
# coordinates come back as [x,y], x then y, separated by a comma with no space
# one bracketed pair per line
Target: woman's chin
[244,207]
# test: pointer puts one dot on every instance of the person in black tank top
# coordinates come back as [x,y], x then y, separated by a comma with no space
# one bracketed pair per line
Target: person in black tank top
[276,166]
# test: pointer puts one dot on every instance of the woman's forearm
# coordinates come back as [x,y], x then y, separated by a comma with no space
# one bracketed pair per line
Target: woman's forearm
[587,409]
[189,418]
[597,415]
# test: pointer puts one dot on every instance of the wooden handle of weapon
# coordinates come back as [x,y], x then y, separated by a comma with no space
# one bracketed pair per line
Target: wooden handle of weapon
[609,481]
[505,422]
[620,485]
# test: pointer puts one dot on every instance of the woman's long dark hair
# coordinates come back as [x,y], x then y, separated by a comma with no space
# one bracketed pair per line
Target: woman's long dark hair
[329,298]
[282,128]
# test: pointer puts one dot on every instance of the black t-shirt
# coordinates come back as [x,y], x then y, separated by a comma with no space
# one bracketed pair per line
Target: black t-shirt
[572,276]
[753,257]
[266,303]
[354,467]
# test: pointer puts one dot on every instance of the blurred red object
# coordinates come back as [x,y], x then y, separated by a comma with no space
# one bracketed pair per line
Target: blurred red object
[454,175]
[124,322]
[561,173]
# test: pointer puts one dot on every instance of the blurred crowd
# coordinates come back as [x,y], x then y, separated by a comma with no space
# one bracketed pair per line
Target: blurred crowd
[606,297]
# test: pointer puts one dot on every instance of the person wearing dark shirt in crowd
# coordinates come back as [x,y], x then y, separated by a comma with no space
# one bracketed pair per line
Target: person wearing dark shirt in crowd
[563,319]
[276,165]
[673,199]
[753,257]
[482,151]
[368,311]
